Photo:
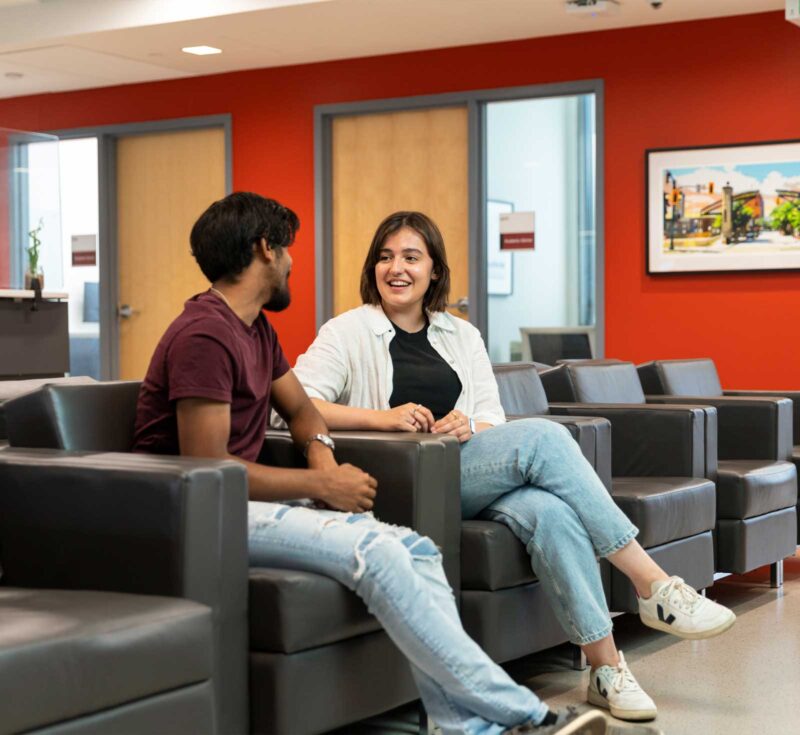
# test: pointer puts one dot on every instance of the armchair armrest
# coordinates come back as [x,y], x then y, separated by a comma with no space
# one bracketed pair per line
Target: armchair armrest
[792,395]
[135,523]
[749,427]
[670,441]
[593,435]
[419,481]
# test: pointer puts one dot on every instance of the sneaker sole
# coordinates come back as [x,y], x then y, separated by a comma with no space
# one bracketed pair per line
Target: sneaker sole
[690,635]
[635,715]
[589,723]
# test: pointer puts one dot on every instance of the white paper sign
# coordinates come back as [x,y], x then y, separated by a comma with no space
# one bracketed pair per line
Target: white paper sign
[517,231]
[84,250]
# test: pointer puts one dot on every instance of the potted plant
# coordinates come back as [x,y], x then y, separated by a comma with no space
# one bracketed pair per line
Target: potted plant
[34,276]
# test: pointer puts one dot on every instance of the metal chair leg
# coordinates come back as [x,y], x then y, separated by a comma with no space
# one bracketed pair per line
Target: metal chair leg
[425,723]
[578,658]
[776,575]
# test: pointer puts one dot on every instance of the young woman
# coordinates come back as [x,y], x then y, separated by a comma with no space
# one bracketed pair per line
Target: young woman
[400,363]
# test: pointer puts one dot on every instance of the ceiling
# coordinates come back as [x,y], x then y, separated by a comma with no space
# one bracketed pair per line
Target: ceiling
[58,45]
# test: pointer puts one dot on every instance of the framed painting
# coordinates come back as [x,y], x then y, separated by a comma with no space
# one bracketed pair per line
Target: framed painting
[723,208]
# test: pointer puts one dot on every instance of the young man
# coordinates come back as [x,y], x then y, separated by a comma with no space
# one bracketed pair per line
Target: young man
[207,394]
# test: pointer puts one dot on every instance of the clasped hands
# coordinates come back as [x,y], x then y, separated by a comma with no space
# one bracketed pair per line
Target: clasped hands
[416,417]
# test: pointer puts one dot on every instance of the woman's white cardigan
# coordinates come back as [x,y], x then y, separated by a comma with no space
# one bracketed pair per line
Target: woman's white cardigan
[349,362]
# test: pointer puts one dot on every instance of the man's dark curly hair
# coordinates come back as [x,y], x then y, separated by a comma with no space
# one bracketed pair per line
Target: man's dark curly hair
[223,237]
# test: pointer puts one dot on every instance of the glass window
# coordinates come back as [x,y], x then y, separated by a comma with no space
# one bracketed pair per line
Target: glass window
[540,159]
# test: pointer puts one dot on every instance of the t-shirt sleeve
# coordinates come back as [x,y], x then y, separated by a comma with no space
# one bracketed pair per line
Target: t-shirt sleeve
[199,366]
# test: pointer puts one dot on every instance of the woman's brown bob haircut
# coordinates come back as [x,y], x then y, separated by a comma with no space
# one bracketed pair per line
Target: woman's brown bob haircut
[439,289]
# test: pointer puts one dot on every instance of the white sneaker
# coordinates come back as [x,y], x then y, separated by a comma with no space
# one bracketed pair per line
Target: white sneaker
[616,689]
[677,608]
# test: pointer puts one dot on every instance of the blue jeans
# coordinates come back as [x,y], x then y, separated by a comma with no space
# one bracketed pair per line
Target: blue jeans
[399,575]
[531,476]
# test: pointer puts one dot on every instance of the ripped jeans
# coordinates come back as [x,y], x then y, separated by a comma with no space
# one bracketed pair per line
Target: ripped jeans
[531,476]
[399,575]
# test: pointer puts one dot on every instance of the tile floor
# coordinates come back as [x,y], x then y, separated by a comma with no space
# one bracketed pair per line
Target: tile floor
[744,682]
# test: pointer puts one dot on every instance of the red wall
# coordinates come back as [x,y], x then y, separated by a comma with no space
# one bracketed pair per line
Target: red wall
[711,82]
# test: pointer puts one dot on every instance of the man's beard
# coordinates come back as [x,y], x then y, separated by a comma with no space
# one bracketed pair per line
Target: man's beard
[279,300]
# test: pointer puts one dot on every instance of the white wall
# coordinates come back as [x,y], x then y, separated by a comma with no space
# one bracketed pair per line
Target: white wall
[532,162]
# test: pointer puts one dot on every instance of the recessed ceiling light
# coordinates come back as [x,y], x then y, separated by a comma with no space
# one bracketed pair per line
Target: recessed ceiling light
[201,50]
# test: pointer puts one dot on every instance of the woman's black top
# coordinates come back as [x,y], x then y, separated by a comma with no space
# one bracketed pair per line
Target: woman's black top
[421,375]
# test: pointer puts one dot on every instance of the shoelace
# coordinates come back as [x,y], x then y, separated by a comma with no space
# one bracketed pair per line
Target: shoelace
[624,679]
[687,598]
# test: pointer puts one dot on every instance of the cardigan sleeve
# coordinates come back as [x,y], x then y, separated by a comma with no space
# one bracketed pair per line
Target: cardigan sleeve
[488,408]
[323,369]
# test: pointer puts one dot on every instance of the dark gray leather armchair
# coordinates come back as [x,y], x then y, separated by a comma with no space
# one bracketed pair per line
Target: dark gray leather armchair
[503,606]
[317,660]
[136,653]
[661,461]
[757,482]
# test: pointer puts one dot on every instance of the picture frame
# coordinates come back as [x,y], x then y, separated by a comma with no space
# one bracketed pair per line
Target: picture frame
[499,264]
[727,208]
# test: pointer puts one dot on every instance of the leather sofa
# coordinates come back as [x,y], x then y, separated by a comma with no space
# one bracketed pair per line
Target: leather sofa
[316,659]
[661,461]
[757,481]
[97,633]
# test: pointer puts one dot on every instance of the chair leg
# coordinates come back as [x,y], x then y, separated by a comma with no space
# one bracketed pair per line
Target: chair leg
[578,658]
[425,722]
[776,575]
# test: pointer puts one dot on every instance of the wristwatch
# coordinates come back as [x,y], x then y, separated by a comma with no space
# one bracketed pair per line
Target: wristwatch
[322,439]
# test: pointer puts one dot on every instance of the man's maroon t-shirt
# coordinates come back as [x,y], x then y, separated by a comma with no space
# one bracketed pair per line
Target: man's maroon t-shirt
[208,352]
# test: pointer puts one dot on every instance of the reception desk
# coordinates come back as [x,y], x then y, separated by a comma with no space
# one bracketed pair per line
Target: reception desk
[34,334]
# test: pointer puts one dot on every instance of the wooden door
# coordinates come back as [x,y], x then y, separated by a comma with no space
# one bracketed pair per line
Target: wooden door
[164,182]
[382,163]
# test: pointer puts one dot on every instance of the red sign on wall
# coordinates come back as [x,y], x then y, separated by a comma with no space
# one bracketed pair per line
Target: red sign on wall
[517,231]
[520,241]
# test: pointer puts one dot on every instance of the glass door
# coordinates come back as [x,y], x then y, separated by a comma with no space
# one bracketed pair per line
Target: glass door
[540,228]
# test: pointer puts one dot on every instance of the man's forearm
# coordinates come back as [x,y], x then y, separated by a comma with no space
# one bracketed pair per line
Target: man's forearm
[274,484]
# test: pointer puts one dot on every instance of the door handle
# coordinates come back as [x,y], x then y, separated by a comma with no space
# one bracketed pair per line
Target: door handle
[462,305]
[125,311]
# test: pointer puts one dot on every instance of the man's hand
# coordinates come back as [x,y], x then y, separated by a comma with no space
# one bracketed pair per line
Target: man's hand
[347,488]
[456,424]
[408,417]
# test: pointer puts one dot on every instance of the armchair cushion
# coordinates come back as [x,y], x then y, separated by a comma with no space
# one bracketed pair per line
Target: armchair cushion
[749,488]
[593,382]
[293,611]
[64,654]
[98,417]
[521,390]
[666,509]
[492,558]
[680,378]
[14,388]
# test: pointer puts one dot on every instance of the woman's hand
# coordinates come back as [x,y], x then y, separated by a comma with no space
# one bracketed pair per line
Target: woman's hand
[408,417]
[456,424]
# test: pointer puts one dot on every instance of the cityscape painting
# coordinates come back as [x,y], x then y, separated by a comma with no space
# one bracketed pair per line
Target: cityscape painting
[731,208]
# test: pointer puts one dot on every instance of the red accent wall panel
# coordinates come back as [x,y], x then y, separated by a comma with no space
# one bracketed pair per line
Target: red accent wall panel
[711,82]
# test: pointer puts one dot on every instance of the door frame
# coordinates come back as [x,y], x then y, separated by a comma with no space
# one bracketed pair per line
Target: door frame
[475,101]
[107,136]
